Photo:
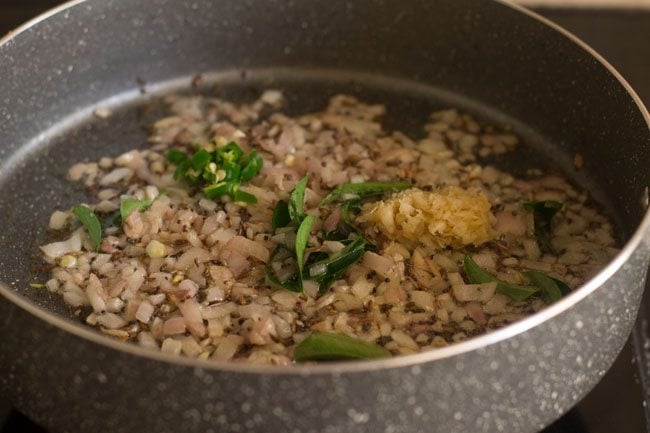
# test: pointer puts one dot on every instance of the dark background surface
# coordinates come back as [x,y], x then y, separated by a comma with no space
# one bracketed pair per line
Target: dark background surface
[619,402]
[621,36]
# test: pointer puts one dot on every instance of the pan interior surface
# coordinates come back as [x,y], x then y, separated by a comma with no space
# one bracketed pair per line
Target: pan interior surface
[33,180]
[489,59]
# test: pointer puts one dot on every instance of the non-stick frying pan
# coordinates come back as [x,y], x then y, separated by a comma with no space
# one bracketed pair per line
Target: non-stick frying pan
[489,58]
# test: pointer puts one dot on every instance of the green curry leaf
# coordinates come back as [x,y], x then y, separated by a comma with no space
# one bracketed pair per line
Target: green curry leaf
[478,275]
[543,213]
[363,190]
[329,346]
[91,224]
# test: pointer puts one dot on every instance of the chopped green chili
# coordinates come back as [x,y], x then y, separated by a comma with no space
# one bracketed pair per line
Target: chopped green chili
[219,173]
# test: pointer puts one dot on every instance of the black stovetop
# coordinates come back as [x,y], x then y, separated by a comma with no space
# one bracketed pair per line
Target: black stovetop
[619,402]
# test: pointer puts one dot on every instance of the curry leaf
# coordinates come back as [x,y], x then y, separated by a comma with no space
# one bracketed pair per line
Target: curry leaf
[543,213]
[91,224]
[319,266]
[328,270]
[562,286]
[551,291]
[302,236]
[478,275]
[297,200]
[281,217]
[363,190]
[128,205]
[329,346]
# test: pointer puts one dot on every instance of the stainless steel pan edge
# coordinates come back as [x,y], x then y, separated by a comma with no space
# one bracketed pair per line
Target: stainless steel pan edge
[514,379]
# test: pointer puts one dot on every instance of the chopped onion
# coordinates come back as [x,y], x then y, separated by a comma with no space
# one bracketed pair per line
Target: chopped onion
[508,222]
[218,311]
[157,298]
[248,248]
[174,326]
[77,171]
[58,249]
[475,311]
[332,220]
[106,206]
[282,327]
[116,175]
[214,294]
[474,292]
[111,320]
[114,305]
[172,346]
[144,312]
[94,292]
[74,299]
[262,331]
[380,264]
[254,311]
[192,256]
[221,235]
[227,347]
[58,220]
[135,278]
[310,288]
[333,246]
[127,158]
[317,270]
[189,287]
[236,262]
[271,97]
[208,205]
[285,298]
[191,311]
[362,287]
[145,339]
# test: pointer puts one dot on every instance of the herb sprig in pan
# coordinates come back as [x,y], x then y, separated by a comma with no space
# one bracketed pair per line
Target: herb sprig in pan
[550,289]
[320,267]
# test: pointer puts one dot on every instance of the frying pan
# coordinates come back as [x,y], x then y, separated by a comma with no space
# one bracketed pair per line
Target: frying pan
[492,59]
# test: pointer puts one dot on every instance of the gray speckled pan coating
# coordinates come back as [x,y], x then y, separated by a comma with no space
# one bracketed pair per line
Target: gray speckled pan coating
[517,379]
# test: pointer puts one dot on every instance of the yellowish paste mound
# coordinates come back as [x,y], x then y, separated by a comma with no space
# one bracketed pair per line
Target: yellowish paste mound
[451,217]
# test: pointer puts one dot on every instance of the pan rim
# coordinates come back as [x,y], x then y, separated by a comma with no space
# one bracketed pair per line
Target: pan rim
[456,349]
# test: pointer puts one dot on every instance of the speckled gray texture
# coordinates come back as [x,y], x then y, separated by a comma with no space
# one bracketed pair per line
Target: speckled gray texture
[52,73]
